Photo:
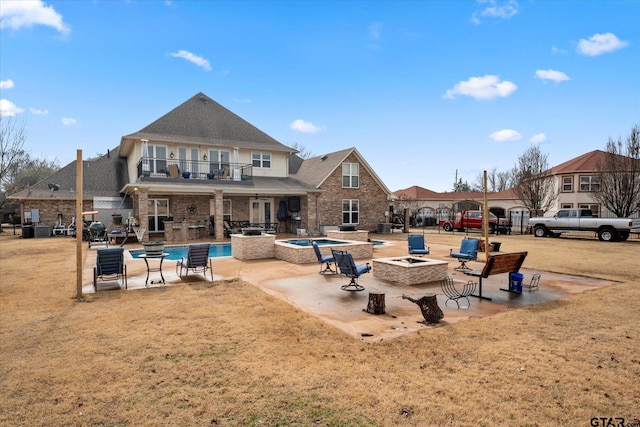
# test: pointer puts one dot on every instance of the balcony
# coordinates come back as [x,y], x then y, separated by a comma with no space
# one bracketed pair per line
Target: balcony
[150,168]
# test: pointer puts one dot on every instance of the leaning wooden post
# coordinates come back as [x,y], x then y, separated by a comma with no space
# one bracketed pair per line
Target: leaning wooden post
[79,225]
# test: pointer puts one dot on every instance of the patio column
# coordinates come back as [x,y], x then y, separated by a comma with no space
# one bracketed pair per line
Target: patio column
[312,212]
[219,219]
[143,211]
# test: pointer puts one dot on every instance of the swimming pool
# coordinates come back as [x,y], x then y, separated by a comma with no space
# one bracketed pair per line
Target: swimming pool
[177,252]
[321,242]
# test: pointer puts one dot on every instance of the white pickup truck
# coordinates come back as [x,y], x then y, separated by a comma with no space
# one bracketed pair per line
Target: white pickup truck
[565,220]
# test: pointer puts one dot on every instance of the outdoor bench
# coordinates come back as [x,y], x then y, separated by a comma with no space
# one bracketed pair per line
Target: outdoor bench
[498,264]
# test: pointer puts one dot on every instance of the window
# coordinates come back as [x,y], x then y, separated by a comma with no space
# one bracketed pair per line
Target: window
[350,211]
[158,212]
[226,210]
[261,160]
[157,158]
[567,184]
[589,183]
[218,160]
[595,209]
[566,206]
[350,175]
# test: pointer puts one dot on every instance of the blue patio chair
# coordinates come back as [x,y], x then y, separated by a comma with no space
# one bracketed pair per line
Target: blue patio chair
[110,266]
[197,261]
[348,267]
[416,245]
[468,252]
[325,260]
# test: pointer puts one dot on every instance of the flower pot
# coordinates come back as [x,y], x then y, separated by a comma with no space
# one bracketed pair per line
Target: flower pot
[186,174]
[153,248]
[211,175]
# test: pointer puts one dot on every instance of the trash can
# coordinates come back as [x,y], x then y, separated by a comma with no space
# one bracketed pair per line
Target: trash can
[495,246]
[515,282]
[27,231]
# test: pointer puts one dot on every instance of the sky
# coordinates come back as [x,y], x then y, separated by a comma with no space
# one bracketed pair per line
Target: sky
[424,90]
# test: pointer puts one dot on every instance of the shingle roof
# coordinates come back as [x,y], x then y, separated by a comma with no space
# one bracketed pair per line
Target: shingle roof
[584,163]
[201,120]
[419,193]
[316,169]
[94,175]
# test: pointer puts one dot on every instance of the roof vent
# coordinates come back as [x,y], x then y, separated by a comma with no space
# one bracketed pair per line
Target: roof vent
[323,158]
[203,99]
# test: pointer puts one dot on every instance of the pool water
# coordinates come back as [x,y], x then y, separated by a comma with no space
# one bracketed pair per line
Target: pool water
[178,252]
[320,242]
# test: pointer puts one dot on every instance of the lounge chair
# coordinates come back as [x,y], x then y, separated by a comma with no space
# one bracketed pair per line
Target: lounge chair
[468,252]
[229,230]
[348,267]
[197,261]
[325,260]
[110,266]
[416,245]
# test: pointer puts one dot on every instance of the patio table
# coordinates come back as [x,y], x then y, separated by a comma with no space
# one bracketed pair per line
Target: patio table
[146,258]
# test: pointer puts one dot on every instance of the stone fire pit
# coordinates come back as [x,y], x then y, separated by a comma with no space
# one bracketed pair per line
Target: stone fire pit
[409,270]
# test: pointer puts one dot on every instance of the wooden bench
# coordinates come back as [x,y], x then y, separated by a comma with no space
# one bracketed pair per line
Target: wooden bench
[498,264]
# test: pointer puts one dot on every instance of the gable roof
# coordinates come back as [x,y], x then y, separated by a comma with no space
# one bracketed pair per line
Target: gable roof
[94,183]
[418,193]
[316,170]
[201,120]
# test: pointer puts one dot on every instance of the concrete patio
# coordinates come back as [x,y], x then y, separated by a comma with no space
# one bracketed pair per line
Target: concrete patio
[321,296]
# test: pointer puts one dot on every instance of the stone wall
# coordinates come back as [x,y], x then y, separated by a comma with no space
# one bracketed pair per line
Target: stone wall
[253,247]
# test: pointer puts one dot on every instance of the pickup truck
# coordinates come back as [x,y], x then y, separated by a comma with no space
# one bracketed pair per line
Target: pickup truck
[565,220]
[473,220]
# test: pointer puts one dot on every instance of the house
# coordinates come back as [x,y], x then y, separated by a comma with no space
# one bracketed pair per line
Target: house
[201,167]
[575,181]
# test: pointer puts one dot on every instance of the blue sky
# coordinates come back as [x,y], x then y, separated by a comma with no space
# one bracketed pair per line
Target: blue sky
[420,88]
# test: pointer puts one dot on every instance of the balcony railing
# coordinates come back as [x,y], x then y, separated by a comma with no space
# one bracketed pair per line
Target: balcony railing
[193,169]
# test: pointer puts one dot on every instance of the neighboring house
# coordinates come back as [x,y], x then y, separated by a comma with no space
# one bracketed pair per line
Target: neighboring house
[576,180]
[201,165]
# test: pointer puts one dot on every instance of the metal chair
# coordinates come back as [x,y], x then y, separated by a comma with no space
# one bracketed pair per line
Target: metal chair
[348,267]
[326,260]
[110,266]
[416,245]
[197,261]
[468,252]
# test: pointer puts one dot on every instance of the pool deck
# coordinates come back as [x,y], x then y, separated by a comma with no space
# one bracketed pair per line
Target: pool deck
[321,296]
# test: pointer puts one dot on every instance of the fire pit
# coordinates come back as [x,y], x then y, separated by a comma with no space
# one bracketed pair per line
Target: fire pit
[252,231]
[409,270]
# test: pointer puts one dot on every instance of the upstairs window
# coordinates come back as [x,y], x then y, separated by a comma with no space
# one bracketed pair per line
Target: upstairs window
[261,160]
[589,183]
[567,184]
[350,175]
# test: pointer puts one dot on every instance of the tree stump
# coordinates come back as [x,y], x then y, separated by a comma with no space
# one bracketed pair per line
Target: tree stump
[376,303]
[429,306]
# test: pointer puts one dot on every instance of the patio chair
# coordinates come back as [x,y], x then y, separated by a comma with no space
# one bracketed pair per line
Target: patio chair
[468,252]
[416,245]
[229,230]
[110,267]
[348,267]
[325,260]
[197,261]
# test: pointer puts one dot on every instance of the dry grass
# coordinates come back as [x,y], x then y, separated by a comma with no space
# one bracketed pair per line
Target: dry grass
[228,354]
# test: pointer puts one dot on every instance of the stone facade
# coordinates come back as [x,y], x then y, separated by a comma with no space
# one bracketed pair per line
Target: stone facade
[253,247]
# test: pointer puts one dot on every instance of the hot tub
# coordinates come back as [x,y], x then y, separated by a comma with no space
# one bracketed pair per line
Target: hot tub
[300,251]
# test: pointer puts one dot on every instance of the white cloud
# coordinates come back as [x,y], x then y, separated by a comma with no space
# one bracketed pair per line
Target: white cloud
[27,13]
[194,59]
[68,122]
[6,84]
[485,87]
[556,76]
[38,112]
[305,127]
[555,49]
[538,138]
[8,108]
[598,44]
[495,9]
[505,135]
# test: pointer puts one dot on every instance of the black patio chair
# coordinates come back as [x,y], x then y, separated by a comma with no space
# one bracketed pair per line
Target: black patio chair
[110,266]
[197,261]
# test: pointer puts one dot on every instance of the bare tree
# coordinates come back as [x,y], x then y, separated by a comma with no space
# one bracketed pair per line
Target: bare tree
[619,176]
[533,182]
[496,181]
[303,152]
[12,155]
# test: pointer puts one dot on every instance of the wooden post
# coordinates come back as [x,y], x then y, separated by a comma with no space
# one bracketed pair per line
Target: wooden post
[79,224]
[376,303]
